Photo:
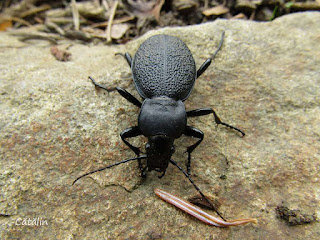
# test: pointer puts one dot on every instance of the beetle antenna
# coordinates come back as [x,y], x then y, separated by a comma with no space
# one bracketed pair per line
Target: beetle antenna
[110,166]
[196,187]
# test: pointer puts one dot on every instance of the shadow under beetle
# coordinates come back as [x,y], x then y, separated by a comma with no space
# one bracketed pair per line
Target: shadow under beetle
[164,73]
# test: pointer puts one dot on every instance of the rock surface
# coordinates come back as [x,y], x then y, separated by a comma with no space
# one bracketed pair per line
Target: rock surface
[54,126]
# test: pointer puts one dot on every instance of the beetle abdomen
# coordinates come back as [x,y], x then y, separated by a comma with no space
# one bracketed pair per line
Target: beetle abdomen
[164,66]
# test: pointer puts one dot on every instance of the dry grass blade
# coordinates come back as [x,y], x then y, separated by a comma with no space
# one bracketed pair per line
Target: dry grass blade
[28,35]
[75,14]
[35,10]
[15,19]
[115,21]
[112,14]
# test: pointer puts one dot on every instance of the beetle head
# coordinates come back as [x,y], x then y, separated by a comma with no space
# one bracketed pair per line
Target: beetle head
[159,150]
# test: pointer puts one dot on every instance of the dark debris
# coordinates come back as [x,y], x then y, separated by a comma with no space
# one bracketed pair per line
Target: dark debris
[60,55]
[199,201]
[294,217]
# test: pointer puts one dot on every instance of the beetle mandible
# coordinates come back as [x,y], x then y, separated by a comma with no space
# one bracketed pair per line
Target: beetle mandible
[164,73]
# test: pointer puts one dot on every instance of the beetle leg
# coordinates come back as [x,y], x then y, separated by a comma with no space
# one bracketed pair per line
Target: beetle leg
[127,56]
[129,133]
[192,132]
[121,91]
[207,63]
[206,111]
[129,97]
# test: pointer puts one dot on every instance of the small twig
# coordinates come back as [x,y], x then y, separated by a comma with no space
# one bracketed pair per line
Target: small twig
[54,26]
[25,36]
[35,10]
[115,21]
[18,8]
[206,4]
[75,15]
[105,5]
[112,14]
[64,20]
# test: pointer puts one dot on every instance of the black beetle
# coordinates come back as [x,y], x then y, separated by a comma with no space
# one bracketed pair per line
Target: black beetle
[164,73]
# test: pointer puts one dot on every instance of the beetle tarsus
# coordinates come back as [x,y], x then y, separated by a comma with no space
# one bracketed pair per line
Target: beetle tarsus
[207,111]
[127,56]
[100,86]
[163,173]
[218,121]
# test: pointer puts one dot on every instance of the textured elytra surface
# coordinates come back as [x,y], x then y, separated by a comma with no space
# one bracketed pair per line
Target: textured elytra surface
[164,66]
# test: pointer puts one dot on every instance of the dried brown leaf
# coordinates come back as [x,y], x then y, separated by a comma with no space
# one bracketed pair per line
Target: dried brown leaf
[118,30]
[156,10]
[91,9]
[142,8]
[201,202]
[239,16]
[95,32]
[218,10]
[5,25]
[182,5]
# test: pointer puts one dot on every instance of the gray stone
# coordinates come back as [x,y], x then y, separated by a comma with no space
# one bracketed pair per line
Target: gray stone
[55,126]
